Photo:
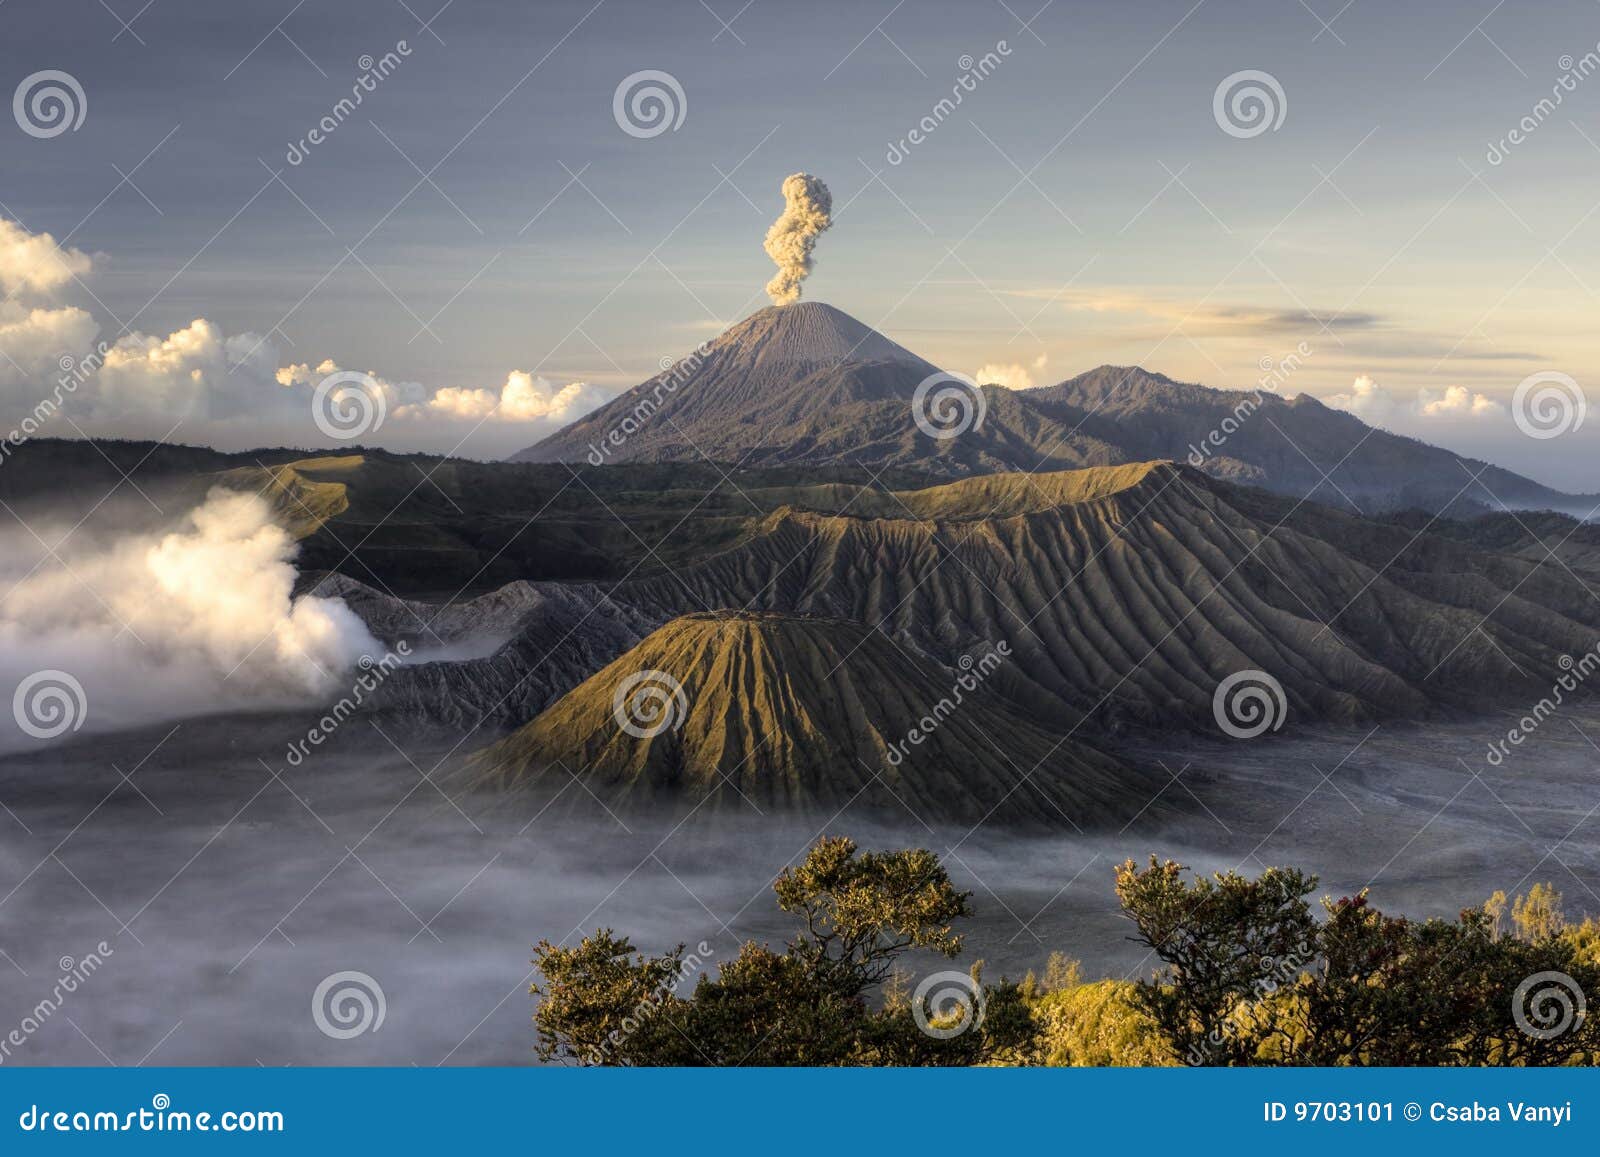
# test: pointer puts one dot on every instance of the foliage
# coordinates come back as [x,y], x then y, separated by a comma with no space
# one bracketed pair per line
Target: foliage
[1229,943]
[597,992]
[1360,987]
[861,912]
[1248,976]
[1095,1023]
[808,1005]
[1538,914]
[1394,991]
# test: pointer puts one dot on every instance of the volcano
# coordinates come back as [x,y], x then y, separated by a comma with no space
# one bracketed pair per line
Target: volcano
[804,713]
[809,385]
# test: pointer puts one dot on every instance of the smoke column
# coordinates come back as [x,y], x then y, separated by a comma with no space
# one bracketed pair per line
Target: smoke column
[807,206]
[198,618]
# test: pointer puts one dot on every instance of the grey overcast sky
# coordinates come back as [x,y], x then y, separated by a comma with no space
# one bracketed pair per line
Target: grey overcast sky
[481,231]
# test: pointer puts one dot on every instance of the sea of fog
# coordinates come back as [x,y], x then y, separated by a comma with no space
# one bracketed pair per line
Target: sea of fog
[228,885]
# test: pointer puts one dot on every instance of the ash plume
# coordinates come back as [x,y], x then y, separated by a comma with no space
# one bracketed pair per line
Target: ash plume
[807,209]
[189,619]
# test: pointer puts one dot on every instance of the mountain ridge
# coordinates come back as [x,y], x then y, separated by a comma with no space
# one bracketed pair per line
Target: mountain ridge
[1127,594]
[808,385]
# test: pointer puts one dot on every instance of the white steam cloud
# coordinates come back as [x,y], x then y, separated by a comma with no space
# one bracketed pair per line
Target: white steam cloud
[160,625]
[807,209]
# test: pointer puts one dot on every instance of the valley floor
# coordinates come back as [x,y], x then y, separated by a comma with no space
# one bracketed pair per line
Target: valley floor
[227,894]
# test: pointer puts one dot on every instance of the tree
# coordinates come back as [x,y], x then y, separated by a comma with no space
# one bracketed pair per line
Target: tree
[599,996]
[1394,991]
[808,1005]
[1495,908]
[1538,914]
[1229,944]
[863,912]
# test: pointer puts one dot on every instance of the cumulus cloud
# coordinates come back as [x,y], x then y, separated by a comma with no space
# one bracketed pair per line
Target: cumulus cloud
[194,372]
[1376,404]
[807,213]
[1366,399]
[35,263]
[32,343]
[229,391]
[1012,376]
[523,398]
[35,333]
[1457,400]
[197,617]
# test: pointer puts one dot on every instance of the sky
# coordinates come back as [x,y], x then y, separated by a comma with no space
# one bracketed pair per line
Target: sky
[485,236]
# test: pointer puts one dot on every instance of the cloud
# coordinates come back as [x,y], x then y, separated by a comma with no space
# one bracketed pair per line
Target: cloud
[1457,400]
[233,391]
[195,617]
[1205,319]
[194,372]
[32,343]
[1012,377]
[35,334]
[523,398]
[1366,399]
[1374,403]
[35,263]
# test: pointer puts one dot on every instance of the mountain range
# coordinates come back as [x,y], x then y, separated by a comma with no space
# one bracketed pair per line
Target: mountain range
[768,527]
[808,385]
[1126,596]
